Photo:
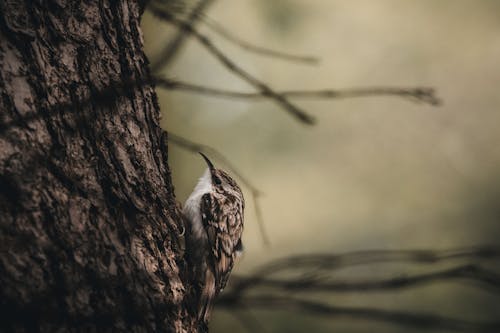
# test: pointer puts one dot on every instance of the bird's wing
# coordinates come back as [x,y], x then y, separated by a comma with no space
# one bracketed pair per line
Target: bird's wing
[222,220]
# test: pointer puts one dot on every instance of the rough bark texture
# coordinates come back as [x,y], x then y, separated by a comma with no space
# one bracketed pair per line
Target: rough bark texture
[91,238]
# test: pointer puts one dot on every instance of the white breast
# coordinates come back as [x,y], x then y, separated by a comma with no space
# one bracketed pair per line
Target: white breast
[191,208]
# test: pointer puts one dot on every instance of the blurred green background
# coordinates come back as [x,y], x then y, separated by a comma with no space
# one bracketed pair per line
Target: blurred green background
[375,172]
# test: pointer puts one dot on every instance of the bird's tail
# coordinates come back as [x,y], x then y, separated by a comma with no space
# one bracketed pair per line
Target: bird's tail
[207,297]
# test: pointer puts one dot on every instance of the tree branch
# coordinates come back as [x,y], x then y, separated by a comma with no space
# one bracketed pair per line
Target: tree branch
[414,320]
[312,264]
[314,278]
[419,94]
[224,33]
[263,88]
[315,283]
[168,53]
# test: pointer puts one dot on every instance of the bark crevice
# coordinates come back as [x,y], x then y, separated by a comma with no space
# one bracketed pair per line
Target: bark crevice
[90,227]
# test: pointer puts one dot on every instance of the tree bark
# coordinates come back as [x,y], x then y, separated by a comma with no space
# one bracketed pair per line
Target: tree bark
[91,235]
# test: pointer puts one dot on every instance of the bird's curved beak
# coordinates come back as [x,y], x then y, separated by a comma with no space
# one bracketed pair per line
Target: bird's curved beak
[209,163]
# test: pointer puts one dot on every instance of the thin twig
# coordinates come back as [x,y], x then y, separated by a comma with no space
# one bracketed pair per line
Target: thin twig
[166,55]
[336,261]
[235,299]
[470,273]
[425,321]
[224,33]
[260,219]
[419,94]
[329,262]
[263,88]
[196,147]
[117,89]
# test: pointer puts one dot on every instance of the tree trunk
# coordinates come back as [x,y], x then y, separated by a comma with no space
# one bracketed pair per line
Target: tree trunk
[91,237]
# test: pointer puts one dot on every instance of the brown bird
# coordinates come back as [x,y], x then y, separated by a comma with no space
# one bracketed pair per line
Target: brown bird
[214,212]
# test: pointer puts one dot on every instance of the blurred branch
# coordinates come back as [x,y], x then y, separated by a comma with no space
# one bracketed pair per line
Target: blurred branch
[224,33]
[196,147]
[336,261]
[419,94]
[470,273]
[311,264]
[234,297]
[168,53]
[415,320]
[263,88]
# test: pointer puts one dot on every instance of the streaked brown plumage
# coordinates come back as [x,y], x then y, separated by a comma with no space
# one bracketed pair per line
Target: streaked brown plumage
[215,213]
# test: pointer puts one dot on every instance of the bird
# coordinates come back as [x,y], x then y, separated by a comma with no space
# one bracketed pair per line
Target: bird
[214,216]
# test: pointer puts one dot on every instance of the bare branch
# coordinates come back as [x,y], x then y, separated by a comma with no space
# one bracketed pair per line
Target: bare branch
[166,55]
[224,33]
[312,283]
[235,299]
[260,218]
[196,147]
[416,320]
[337,261]
[419,94]
[311,264]
[263,88]
[114,89]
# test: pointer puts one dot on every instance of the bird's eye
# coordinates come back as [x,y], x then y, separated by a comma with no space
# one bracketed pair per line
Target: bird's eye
[217,181]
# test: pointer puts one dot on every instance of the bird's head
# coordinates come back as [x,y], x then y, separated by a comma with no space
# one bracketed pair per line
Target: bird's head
[221,181]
